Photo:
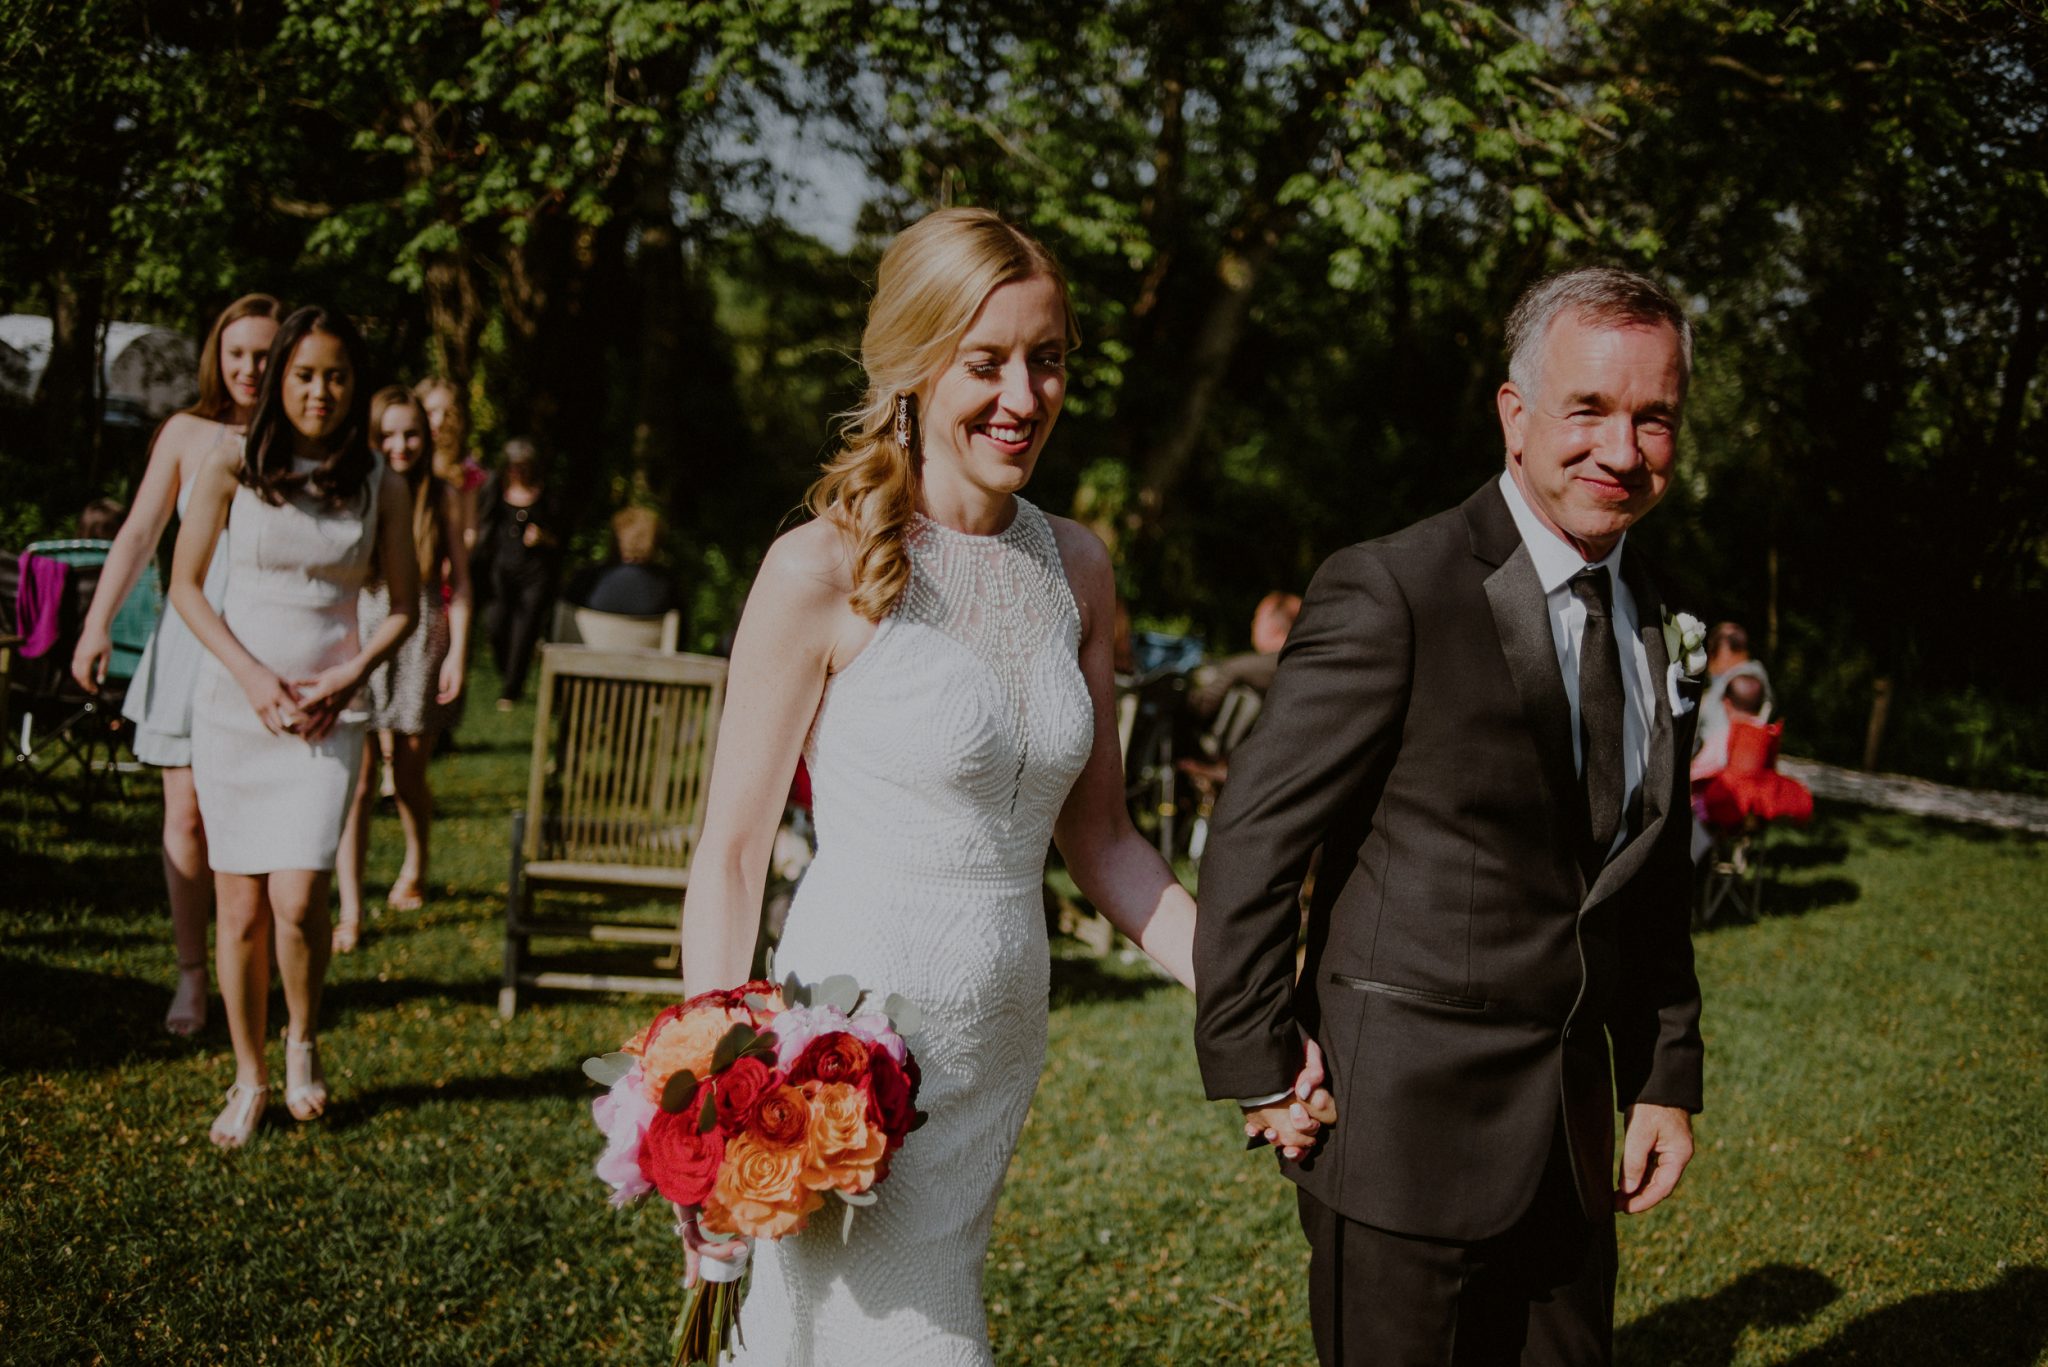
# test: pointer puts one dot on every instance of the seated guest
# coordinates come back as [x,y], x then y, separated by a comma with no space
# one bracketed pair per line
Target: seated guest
[1728,658]
[1271,621]
[630,585]
[1735,778]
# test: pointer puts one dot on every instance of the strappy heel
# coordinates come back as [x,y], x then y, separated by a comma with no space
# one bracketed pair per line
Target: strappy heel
[305,1092]
[236,1124]
[187,1015]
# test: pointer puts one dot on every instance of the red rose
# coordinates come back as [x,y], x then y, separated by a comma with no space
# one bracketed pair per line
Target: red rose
[737,1089]
[892,1096]
[834,1057]
[682,1164]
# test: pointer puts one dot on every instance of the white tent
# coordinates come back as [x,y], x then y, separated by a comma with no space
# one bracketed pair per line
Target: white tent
[147,372]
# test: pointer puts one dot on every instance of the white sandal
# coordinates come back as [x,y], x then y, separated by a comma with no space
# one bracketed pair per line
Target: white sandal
[307,1099]
[236,1124]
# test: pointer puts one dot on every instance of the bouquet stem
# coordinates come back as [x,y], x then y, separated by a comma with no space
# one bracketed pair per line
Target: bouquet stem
[710,1320]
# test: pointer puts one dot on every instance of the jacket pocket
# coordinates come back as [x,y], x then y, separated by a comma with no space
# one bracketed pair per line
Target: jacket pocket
[1415,994]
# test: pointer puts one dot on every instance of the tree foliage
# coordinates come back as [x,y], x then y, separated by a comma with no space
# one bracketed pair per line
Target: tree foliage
[1293,227]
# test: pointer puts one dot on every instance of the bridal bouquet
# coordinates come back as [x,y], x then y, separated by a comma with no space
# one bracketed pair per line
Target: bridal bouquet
[749,1107]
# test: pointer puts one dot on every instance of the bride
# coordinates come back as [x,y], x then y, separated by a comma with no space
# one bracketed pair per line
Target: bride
[939,651]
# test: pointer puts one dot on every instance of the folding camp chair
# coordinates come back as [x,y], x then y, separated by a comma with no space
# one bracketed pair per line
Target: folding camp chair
[622,751]
[59,735]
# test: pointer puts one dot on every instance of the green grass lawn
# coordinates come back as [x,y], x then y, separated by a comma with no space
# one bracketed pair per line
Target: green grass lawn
[1870,1186]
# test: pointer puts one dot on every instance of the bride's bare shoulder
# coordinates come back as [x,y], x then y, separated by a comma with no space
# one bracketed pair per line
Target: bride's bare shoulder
[810,564]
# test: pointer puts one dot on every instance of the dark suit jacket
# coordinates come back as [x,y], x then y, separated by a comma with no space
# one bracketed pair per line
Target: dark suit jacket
[1462,978]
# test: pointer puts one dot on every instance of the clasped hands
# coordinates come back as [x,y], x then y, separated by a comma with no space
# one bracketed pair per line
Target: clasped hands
[1295,1122]
[306,708]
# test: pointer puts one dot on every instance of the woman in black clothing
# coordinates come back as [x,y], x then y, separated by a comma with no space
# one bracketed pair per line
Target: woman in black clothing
[519,547]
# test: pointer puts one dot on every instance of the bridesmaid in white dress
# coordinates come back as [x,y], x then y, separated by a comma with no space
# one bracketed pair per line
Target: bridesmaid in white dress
[159,699]
[276,743]
[939,651]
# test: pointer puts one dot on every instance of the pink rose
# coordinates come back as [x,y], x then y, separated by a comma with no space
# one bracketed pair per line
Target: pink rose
[624,1113]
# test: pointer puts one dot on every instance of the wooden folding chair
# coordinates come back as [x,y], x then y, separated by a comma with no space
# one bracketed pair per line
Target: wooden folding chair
[622,751]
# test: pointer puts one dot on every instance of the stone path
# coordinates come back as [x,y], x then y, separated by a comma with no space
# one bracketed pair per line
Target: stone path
[2013,811]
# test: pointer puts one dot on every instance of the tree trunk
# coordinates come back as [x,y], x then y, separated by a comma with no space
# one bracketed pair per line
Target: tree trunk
[69,393]
[454,305]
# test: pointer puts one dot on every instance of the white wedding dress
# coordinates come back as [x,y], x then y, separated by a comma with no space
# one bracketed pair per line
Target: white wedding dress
[939,759]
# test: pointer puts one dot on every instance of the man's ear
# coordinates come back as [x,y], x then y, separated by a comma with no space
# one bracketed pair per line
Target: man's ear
[1508,399]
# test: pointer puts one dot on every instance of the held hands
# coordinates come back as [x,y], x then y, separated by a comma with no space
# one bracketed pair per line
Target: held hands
[1295,1123]
[89,661]
[275,702]
[322,697]
[1656,1146]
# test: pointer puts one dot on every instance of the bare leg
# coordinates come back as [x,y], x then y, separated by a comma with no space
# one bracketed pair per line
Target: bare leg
[383,742]
[190,885]
[298,905]
[355,849]
[242,959]
[415,816]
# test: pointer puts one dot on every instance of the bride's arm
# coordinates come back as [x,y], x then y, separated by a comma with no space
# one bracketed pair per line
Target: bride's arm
[1114,866]
[796,615]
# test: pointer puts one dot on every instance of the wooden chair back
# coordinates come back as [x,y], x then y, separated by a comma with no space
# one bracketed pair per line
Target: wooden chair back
[622,753]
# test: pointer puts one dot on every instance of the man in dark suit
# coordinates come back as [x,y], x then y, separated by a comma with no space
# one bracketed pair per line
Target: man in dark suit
[1479,721]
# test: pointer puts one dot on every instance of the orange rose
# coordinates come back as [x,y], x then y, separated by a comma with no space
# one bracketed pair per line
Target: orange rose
[845,1149]
[782,1118]
[759,1192]
[686,1042]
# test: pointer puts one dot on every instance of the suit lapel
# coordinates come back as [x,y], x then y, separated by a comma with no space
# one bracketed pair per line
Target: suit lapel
[1658,773]
[1522,619]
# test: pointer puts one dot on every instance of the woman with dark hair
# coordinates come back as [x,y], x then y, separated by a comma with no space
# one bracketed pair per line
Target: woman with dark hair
[276,744]
[520,549]
[159,700]
[414,692]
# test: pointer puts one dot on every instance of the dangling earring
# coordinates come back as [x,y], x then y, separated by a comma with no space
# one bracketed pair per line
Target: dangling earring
[903,412]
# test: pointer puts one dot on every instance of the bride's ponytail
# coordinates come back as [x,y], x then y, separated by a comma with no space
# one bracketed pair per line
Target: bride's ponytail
[931,284]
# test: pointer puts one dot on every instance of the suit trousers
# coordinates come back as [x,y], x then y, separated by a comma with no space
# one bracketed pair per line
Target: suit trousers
[1539,1295]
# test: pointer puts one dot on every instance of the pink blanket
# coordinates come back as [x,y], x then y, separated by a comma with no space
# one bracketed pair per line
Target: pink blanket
[39,603]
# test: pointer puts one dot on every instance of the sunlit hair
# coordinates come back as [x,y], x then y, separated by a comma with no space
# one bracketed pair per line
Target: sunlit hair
[429,528]
[637,531]
[932,282]
[1603,296]
[338,479]
[214,403]
[451,443]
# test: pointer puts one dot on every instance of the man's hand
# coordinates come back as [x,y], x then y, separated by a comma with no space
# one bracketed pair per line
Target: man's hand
[1656,1145]
[1296,1123]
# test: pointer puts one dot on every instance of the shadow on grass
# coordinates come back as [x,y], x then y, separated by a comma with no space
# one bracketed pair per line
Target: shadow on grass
[1076,979]
[1703,1330]
[71,1019]
[347,1112]
[340,999]
[2001,1325]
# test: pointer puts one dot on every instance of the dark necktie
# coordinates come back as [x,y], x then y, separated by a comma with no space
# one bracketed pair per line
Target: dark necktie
[1600,707]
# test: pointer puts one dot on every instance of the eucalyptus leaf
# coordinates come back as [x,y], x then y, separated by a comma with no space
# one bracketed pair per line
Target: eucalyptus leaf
[734,1043]
[903,1013]
[707,1119]
[846,1225]
[794,992]
[757,1002]
[839,991]
[606,1071]
[677,1091]
[763,1047]
[859,1198]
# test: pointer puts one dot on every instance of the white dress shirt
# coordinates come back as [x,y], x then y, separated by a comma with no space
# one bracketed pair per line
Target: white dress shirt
[1556,563]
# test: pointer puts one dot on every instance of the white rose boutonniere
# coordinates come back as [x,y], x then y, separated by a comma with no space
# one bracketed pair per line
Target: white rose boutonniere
[1685,642]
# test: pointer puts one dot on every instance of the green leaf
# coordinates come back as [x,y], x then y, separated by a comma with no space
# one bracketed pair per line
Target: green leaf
[903,1013]
[707,1119]
[839,991]
[735,1042]
[762,1048]
[794,992]
[677,1091]
[607,1070]
[756,1002]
